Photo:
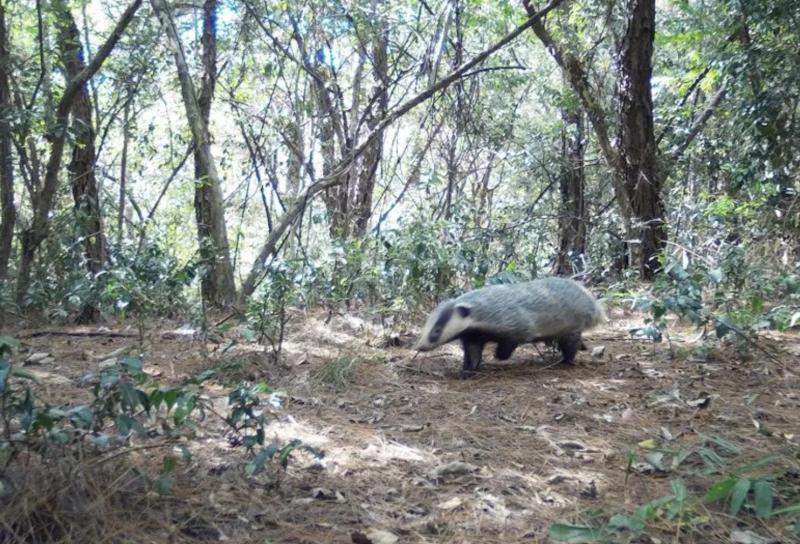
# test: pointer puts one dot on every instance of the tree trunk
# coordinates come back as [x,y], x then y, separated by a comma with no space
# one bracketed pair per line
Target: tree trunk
[636,142]
[572,218]
[32,237]
[8,212]
[335,197]
[217,284]
[81,168]
[634,174]
[295,163]
[123,173]
[362,207]
[331,125]
[452,160]
[451,165]
[578,78]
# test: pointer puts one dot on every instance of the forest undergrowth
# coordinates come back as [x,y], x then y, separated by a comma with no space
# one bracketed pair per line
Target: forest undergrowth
[638,442]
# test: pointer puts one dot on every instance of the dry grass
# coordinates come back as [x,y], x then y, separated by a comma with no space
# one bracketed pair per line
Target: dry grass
[73,500]
[411,449]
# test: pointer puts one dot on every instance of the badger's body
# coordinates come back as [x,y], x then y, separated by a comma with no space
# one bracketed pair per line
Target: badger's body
[554,310]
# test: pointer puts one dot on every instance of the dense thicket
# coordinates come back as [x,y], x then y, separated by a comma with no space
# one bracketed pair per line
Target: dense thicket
[607,139]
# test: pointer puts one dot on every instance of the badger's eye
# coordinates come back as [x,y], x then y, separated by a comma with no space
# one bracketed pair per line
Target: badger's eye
[437,329]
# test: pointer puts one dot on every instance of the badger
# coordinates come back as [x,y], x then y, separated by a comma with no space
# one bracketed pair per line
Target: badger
[553,310]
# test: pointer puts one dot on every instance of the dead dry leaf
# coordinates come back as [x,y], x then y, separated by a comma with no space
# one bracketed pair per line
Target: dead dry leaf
[450,504]
[380,536]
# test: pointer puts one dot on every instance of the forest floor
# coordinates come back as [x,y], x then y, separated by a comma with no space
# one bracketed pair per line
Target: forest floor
[414,454]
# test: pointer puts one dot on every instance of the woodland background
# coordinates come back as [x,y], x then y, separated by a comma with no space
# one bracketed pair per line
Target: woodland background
[359,148]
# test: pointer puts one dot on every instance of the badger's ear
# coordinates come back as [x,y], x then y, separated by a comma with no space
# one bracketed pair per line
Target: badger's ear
[463,309]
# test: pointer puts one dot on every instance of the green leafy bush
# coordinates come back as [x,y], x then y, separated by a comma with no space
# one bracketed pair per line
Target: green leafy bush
[267,311]
[248,419]
[147,283]
[764,488]
[732,299]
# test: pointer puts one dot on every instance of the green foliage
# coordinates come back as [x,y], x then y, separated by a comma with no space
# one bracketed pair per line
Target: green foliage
[248,419]
[417,263]
[351,273]
[267,314]
[730,298]
[678,292]
[124,404]
[678,508]
[752,487]
[147,283]
[410,265]
[121,397]
[283,454]
[137,283]
[722,207]
[60,283]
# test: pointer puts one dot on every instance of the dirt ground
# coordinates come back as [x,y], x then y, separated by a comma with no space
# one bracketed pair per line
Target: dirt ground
[415,454]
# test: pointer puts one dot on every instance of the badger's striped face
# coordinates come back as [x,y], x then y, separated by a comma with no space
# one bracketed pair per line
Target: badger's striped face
[444,324]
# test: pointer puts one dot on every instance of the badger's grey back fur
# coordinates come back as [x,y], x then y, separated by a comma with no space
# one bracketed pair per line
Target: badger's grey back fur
[530,310]
[548,309]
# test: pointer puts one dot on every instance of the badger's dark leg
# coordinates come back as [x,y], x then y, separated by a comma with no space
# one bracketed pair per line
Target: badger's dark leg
[569,345]
[473,350]
[504,349]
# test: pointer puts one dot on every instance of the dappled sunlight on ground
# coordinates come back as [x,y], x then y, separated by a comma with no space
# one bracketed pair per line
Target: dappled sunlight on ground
[411,449]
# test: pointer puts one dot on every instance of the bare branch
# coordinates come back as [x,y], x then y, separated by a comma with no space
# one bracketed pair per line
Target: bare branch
[686,95]
[336,175]
[698,125]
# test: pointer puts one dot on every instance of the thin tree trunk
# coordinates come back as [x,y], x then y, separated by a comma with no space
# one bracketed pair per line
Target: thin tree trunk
[452,160]
[32,238]
[636,137]
[81,168]
[123,173]
[578,78]
[362,207]
[8,212]
[451,164]
[218,285]
[335,197]
[295,162]
[572,218]
[482,194]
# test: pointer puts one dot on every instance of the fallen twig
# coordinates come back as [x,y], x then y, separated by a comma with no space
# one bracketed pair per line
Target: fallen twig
[108,334]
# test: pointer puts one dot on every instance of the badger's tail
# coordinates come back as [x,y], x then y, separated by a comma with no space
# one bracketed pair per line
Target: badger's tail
[598,311]
[599,315]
